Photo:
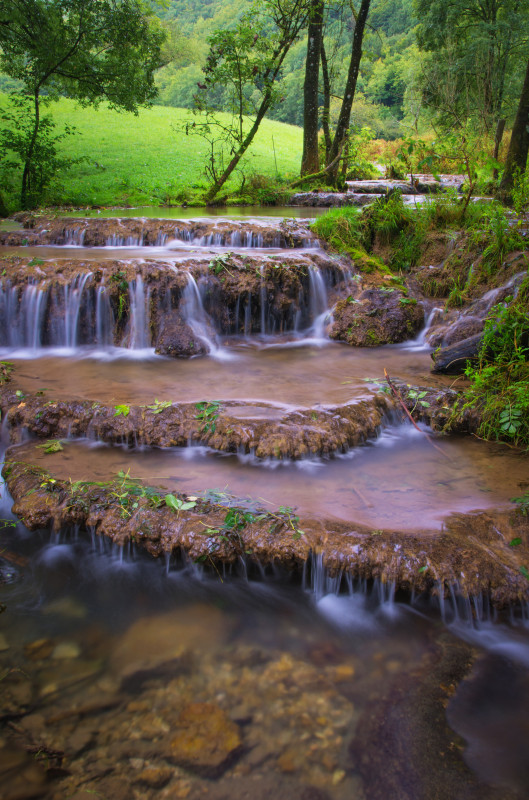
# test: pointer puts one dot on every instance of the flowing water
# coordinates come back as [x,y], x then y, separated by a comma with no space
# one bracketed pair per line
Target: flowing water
[333,685]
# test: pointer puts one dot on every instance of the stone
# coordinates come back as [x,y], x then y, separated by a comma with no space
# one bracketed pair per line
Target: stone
[66,650]
[39,650]
[155,777]
[176,338]
[207,741]
[3,643]
[378,316]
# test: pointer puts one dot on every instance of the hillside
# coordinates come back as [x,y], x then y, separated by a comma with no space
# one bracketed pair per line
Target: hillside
[143,159]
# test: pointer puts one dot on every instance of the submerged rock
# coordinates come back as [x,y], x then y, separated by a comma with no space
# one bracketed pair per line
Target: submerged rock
[206,740]
[405,748]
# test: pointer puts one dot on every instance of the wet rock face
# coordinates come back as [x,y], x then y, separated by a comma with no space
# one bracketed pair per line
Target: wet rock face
[330,199]
[376,317]
[283,434]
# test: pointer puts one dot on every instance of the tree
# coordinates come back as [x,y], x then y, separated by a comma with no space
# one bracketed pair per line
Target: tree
[516,162]
[310,161]
[475,45]
[90,50]
[344,120]
[246,61]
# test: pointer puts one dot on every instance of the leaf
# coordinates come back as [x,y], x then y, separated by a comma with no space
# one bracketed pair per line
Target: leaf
[515,542]
[424,404]
[525,572]
[187,506]
[121,410]
[173,502]
[423,569]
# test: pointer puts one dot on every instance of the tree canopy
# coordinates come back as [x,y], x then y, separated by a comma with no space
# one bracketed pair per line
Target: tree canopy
[90,50]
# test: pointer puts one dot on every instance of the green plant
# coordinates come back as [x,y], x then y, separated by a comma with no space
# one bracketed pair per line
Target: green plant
[52,446]
[220,262]
[208,413]
[499,383]
[6,368]
[176,504]
[520,191]
[159,405]
[121,410]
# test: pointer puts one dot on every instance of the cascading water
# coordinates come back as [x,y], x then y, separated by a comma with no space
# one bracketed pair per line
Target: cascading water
[73,296]
[195,316]
[139,325]
[104,318]
[319,304]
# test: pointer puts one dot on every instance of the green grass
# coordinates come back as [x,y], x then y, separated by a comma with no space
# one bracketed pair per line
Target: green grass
[142,160]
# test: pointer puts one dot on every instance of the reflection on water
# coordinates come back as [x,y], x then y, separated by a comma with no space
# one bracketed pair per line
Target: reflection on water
[398,481]
[233,212]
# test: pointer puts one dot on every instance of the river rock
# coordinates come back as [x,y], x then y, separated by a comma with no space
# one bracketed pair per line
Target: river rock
[404,747]
[377,317]
[156,646]
[176,338]
[206,741]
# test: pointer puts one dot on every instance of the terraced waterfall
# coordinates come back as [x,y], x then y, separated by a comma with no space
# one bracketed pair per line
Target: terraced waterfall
[231,565]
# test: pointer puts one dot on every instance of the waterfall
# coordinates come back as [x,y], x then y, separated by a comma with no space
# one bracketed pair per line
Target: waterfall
[139,326]
[104,318]
[262,294]
[22,311]
[420,342]
[195,316]
[73,295]
[318,304]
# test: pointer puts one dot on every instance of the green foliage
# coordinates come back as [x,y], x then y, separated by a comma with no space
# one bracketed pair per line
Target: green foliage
[137,160]
[40,155]
[159,405]
[52,446]
[6,368]
[500,382]
[207,413]
[121,410]
[520,191]
[91,50]
[176,504]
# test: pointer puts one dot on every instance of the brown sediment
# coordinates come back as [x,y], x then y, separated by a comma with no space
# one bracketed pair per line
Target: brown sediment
[471,555]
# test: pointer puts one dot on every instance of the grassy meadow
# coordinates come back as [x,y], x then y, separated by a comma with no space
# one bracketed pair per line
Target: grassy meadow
[146,160]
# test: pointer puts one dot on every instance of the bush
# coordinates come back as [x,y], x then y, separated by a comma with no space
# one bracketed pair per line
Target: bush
[500,382]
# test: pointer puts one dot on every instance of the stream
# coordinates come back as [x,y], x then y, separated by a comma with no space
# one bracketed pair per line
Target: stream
[126,676]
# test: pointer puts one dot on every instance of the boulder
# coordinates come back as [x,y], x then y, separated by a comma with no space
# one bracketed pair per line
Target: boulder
[377,317]
[176,338]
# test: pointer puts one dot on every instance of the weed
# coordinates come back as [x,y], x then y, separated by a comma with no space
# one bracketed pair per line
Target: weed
[208,413]
[176,504]
[121,410]
[6,368]
[159,405]
[52,446]
[220,262]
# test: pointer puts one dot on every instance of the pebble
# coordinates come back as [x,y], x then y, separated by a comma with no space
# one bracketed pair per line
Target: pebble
[66,650]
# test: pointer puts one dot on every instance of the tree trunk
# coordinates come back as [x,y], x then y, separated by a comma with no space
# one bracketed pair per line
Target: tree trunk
[500,129]
[326,113]
[219,183]
[344,119]
[519,146]
[310,161]
[26,175]
[4,212]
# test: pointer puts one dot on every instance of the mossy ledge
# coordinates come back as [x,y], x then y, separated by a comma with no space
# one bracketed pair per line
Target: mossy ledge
[470,555]
[289,433]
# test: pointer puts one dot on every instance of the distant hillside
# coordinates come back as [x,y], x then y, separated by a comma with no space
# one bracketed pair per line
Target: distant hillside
[389,61]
